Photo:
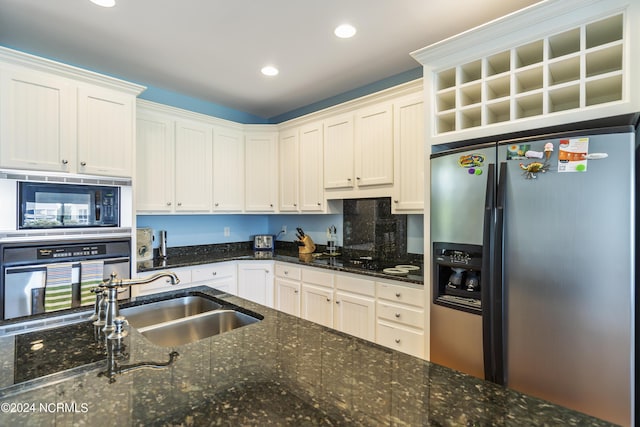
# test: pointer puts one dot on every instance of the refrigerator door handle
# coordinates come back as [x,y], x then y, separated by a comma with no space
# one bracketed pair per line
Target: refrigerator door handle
[485,290]
[498,309]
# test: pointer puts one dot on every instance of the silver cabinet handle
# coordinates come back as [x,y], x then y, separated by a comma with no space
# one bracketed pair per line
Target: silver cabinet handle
[395,201]
[337,302]
[168,203]
[286,272]
[179,203]
[319,204]
[295,205]
[358,178]
[83,163]
[398,315]
[65,161]
[349,179]
[398,294]
[216,205]
[397,340]
[214,273]
[295,291]
[328,299]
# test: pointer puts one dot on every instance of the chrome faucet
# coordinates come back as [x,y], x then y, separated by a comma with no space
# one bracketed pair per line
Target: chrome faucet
[106,310]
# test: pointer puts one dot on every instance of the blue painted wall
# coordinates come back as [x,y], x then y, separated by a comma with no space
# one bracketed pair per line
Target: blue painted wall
[187,230]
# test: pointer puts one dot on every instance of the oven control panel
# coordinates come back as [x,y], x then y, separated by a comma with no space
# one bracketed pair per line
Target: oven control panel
[59,252]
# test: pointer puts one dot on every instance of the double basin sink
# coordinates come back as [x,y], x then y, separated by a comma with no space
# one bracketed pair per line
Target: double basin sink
[183,320]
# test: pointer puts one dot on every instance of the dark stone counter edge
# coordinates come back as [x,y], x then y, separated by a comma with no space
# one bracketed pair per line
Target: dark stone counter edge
[324,263]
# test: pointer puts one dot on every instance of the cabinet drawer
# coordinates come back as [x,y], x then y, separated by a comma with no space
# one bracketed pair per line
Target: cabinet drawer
[213,271]
[355,285]
[317,277]
[288,271]
[401,294]
[401,314]
[401,339]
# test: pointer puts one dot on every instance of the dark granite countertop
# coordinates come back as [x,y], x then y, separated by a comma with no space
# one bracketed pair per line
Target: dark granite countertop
[194,257]
[282,370]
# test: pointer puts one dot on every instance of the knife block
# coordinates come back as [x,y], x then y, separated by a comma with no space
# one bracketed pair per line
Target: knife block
[308,248]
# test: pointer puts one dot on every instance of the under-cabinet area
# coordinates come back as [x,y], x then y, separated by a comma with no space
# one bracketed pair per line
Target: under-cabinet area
[387,312]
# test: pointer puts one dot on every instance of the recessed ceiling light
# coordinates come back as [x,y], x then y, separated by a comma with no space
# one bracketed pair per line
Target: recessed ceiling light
[345,31]
[104,3]
[269,70]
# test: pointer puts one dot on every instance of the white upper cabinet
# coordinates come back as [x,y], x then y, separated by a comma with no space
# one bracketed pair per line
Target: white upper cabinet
[554,63]
[36,121]
[155,169]
[63,119]
[374,145]
[288,170]
[338,152]
[193,156]
[105,131]
[261,171]
[311,168]
[228,170]
[410,156]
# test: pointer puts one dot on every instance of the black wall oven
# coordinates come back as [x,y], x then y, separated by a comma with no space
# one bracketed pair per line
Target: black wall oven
[24,267]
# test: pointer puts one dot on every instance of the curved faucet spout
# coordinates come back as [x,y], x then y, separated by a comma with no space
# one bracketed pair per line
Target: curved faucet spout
[113,281]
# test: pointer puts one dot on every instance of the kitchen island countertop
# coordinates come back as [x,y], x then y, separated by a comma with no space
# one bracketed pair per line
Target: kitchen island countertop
[282,370]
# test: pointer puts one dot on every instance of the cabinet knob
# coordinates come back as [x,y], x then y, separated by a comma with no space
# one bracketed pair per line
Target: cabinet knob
[286,272]
[398,315]
[319,204]
[358,178]
[398,294]
[214,273]
[65,161]
[395,201]
[179,203]
[83,163]
[337,302]
[168,203]
[270,205]
[349,179]
[295,205]
[216,205]
[397,340]
[328,299]
[295,291]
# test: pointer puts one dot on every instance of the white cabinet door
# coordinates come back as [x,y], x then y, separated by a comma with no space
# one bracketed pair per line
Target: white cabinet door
[288,170]
[221,276]
[193,167]
[355,315]
[255,282]
[338,152]
[154,163]
[228,170]
[261,174]
[287,296]
[406,340]
[374,145]
[311,168]
[105,131]
[37,121]
[317,304]
[410,158]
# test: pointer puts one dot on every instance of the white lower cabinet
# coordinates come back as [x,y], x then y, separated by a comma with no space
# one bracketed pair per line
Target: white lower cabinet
[287,289]
[221,276]
[255,282]
[400,318]
[355,312]
[317,296]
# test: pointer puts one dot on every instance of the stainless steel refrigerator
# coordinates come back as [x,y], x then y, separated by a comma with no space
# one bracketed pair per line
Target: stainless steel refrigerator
[533,260]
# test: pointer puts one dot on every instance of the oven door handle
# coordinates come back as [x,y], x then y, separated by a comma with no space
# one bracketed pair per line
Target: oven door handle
[74,264]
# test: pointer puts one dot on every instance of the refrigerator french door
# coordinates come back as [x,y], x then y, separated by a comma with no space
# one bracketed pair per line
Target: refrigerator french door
[552,241]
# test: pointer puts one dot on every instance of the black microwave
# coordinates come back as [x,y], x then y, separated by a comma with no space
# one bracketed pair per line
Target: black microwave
[55,205]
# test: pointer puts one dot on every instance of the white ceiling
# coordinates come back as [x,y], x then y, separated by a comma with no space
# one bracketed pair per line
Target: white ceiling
[213,49]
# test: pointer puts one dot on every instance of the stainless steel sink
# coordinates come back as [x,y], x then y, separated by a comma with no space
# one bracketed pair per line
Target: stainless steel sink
[194,328]
[163,311]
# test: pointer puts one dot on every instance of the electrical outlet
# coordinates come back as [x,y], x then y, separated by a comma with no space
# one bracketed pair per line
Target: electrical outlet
[227,231]
[284,229]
